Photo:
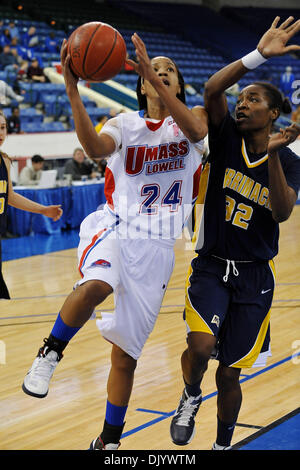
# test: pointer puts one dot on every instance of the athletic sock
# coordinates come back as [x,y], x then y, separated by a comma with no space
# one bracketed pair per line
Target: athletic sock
[193,390]
[61,334]
[224,433]
[113,424]
[111,434]
[115,414]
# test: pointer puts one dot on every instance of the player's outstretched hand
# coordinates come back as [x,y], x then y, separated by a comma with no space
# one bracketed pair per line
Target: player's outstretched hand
[143,67]
[70,78]
[53,212]
[273,42]
[283,138]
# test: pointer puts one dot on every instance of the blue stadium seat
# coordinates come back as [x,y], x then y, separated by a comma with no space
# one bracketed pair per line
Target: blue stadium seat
[53,127]
[32,127]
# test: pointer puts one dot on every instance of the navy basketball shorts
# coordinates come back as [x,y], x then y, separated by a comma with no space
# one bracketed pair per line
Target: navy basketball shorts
[231,301]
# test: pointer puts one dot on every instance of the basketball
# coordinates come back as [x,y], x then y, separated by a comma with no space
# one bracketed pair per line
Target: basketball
[97,50]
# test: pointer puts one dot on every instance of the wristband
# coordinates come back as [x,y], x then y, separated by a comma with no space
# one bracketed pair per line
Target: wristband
[253,59]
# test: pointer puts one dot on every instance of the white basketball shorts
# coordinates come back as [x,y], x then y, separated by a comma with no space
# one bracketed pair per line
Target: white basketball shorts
[138,270]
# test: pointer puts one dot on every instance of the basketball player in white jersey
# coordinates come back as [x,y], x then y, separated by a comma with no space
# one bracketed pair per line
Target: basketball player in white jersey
[151,181]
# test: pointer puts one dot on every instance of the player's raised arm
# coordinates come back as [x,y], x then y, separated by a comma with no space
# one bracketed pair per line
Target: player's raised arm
[273,43]
[96,146]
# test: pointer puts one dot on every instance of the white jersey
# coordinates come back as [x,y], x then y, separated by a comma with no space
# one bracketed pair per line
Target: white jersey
[152,181]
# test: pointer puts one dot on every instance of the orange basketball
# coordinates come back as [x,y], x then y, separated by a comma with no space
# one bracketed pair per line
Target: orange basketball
[97,50]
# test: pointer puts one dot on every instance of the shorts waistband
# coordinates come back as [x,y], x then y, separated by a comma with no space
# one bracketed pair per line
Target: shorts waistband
[225,260]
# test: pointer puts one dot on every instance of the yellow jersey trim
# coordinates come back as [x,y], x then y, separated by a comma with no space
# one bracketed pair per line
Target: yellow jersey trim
[250,358]
[247,161]
[193,318]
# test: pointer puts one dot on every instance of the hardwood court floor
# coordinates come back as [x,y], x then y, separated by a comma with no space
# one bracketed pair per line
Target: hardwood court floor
[73,412]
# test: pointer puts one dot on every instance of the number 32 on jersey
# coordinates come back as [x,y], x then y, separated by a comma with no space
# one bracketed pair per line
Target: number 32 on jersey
[151,192]
[239,215]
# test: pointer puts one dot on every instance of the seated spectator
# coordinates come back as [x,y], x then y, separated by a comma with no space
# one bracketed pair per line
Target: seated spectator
[13,30]
[5,38]
[101,121]
[8,60]
[14,122]
[101,167]
[51,44]
[30,38]
[30,176]
[80,166]
[22,52]
[35,72]
[7,94]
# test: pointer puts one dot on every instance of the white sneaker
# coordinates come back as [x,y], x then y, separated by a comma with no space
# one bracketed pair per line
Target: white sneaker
[36,382]
[97,444]
[218,447]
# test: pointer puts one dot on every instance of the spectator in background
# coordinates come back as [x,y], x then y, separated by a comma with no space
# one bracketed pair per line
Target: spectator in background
[101,164]
[30,176]
[80,166]
[5,38]
[7,94]
[23,52]
[8,60]
[51,44]
[14,122]
[35,72]
[30,38]
[286,81]
[13,30]
[101,121]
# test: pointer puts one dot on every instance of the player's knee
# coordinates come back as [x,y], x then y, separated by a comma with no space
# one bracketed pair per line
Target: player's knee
[122,361]
[200,347]
[227,377]
[94,292]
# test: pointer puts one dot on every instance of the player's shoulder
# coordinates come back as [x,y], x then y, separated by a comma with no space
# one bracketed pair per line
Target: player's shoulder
[6,158]
[287,155]
[225,131]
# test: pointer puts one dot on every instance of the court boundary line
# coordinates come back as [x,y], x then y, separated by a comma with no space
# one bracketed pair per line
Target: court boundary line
[265,429]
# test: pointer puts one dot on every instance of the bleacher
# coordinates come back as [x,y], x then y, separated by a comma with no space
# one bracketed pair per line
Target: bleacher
[205,42]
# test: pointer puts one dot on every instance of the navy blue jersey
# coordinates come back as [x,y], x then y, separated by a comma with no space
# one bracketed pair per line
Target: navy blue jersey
[3,194]
[237,223]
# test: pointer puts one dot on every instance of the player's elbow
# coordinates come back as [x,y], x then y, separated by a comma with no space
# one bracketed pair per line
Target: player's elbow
[281,216]
[198,133]
[210,90]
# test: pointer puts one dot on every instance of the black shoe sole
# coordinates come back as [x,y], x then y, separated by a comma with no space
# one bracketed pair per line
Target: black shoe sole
[185,443]
[25,390]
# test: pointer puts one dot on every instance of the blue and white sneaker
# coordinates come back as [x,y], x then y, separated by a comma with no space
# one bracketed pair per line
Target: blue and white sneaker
[183,423]
[218,447]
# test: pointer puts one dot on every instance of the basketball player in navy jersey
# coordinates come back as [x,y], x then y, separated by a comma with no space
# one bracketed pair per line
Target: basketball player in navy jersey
[252,181]
[8,196]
